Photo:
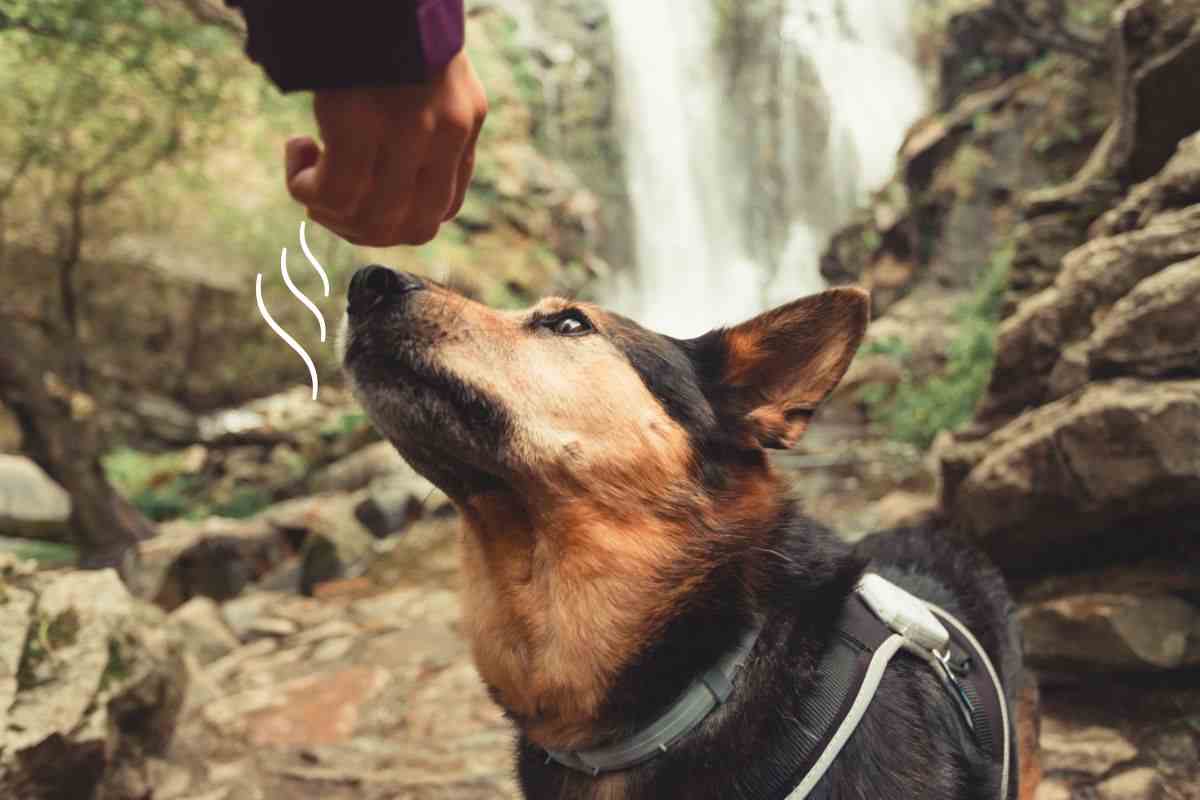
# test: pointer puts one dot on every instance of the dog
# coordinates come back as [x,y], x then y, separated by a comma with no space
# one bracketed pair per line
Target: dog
[623,527]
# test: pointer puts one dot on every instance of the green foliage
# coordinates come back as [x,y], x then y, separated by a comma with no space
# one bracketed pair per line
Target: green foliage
[44,638]
[100,91]
[345,425]
[919,409]
[46,554]
[172,499]
[117,668]
[871,240]
[246,502]
[157,486]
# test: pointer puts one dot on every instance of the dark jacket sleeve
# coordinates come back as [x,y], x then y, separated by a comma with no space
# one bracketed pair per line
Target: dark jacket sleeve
[311,44]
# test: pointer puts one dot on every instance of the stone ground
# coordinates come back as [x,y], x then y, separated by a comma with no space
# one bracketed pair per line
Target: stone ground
[364,693]
[367,692]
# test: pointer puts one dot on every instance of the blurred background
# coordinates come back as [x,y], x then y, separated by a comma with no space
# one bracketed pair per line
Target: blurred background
[1017,182]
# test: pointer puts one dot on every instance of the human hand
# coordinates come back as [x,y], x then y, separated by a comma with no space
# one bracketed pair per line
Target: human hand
[396,160]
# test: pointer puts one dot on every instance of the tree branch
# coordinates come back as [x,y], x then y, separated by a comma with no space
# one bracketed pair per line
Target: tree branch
[1053,33]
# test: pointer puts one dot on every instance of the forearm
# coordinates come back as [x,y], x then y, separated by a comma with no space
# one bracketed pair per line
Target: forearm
[306,44]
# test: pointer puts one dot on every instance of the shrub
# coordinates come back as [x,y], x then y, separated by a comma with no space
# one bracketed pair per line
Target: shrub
[920,408]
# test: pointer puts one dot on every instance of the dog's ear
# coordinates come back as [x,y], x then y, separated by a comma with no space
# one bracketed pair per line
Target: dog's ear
[774,370]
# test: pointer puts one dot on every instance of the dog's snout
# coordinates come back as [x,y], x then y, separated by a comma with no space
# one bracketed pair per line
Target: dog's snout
[374,283]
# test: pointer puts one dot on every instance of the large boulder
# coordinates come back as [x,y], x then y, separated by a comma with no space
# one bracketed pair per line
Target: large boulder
[1005,127]
[1092,464]
[1084,445]
[91,683]
[1111,633]
[31,504]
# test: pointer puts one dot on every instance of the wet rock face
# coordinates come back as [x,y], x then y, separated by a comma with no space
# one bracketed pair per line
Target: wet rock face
[91,683]
[1055,482]
[1013,117]
[1085,444]
[982,46]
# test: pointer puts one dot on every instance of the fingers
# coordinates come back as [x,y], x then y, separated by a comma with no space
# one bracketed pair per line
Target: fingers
[300,152]
[394,195]
[436,183]
[342,175]
[396,161]
[466,168]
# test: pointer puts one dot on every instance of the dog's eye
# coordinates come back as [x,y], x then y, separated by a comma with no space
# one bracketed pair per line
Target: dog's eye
[569,323]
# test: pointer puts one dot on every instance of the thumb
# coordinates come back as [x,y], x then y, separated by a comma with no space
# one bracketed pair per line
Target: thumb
[301,155]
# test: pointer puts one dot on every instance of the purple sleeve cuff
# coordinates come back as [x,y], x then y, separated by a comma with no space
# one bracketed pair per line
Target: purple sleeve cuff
[441,24]
[306,44]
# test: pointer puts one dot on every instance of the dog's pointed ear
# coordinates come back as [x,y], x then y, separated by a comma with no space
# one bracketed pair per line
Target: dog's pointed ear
[773,371]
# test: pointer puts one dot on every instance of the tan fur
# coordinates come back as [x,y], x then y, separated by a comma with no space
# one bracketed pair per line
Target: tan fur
[557,602]
[557,573]
[790,359]
[1028,745]
[571,570]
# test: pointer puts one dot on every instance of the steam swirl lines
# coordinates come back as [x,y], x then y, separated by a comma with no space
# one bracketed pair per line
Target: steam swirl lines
[316,264]
[303,298]
[299,295]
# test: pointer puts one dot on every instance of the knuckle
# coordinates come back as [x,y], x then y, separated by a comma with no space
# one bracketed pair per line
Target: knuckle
[421,232]
[426,122]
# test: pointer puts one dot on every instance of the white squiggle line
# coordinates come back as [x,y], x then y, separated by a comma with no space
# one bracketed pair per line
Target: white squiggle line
[312,260]
[292,343]
[299,294]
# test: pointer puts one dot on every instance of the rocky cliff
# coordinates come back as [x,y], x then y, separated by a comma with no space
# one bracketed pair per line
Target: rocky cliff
[1079,472]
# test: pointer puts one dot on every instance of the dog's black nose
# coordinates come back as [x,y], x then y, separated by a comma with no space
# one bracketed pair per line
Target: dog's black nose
[373,283]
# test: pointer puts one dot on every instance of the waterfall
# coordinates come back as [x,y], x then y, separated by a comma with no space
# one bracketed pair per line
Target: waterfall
[737,184]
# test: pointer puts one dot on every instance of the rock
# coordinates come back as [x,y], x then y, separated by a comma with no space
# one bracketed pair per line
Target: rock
[1092,749]
[10,431]
[199,624]
[394,501]
[268,418]
[1136,784]
[216,558]
[99,687]
[1176,186]
[357,470]
[1152,331]
[1098,632]
[1163,575]
[1077,467]
[1053,790]
[317,709]
[903,508]
[335,544]
[31,504]
[980,33]
[1094,278]
[161,419]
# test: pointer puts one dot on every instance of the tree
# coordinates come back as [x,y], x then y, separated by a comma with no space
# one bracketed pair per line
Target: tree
[1052,24]
[94,96]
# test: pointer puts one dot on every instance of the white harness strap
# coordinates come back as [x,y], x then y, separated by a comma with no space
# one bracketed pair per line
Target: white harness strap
[865,694]
[919,632]
[1000,699]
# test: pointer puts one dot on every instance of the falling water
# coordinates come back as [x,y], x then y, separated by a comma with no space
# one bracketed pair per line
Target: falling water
[700,259]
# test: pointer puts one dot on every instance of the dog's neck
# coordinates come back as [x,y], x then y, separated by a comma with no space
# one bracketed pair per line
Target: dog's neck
[566,606]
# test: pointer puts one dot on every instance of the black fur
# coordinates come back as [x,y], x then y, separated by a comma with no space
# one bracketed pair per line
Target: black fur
[910,744]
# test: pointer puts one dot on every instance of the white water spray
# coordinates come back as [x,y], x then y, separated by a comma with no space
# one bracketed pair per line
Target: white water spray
[688,183]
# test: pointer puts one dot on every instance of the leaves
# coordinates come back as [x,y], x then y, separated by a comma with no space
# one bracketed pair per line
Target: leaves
[922,407]
[98,92]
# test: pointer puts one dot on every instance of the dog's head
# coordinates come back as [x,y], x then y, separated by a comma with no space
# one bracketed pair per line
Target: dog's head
[605,472]
[569,397]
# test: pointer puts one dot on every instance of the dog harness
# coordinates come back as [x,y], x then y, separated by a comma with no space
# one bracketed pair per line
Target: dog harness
[878,621]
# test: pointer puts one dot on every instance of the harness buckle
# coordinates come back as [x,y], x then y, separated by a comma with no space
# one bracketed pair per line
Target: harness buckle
[952,672]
